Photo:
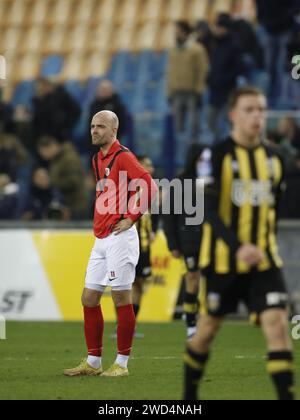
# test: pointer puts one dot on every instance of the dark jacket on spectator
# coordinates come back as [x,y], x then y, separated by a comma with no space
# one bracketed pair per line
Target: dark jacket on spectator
[41,203]
[67,175]
[55,114]
[12,155]
[6,113]
[8,202]
[277,15]
[226,66]
[248,41]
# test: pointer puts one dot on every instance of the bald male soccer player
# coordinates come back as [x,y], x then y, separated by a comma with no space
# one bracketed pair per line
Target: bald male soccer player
[116,250]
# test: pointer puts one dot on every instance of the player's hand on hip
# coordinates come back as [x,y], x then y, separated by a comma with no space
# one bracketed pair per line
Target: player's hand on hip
[123,225]
[175,253]
[250,254]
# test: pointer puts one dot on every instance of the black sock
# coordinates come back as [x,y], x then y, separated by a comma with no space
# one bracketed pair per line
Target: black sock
[190,309]
[281,369]
[193,370]
[136,309]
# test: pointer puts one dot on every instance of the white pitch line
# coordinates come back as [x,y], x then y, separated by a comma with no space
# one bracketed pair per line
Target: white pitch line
[243,356]
[155,358]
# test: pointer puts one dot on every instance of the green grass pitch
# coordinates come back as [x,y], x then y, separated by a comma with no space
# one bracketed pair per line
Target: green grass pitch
[35,353]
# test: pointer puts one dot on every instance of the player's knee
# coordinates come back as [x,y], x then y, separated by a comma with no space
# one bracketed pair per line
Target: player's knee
[138,285]
[89,299]
[121,297]
[207,329]
[192,281]
[211,327]
[275,326]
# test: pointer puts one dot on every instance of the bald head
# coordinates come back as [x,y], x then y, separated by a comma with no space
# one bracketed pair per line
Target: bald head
[104,127]
[109,116]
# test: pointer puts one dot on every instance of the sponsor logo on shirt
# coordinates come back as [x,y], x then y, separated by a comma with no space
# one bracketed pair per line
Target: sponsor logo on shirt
[252,192]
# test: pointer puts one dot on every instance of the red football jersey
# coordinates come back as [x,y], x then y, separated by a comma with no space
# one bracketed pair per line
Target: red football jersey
[112,195]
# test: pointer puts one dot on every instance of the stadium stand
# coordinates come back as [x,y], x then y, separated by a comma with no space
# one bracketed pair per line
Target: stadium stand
[78,43]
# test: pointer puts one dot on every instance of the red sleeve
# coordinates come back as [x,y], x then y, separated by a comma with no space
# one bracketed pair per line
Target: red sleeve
[136,171]
[131,165]
[146,198]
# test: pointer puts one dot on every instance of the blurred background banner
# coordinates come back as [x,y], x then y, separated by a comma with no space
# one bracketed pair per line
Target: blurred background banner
[45,278]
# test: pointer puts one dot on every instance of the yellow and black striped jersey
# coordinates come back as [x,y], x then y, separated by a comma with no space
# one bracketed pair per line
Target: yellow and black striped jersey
[144,228]
[240,206]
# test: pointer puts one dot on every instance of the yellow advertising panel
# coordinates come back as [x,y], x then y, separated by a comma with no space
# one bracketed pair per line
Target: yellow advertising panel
[64,256]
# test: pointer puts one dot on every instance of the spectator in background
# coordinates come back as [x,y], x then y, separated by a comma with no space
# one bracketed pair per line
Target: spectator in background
[289,132]
[291,86]
[8,197]
[290,202]
[285,149]
[5,115]
[186,78]
[42,201]
[225,67]
[108,99]
[278,19]
[66,173]
[252,52]
[22,127]
[12,156]
[55,112]
[204,36]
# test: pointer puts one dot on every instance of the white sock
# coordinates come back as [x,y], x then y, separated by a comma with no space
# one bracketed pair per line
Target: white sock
[191,331]
[122,360]
[94,361]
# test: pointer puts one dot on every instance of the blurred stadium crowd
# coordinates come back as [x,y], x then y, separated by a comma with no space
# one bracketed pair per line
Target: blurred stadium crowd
[166,75]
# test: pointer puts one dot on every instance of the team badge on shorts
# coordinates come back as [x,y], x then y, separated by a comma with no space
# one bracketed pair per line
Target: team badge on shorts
[191,263]
[213,301]
[112,275]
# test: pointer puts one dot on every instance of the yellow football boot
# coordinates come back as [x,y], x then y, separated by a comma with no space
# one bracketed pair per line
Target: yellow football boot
[83,369]
[115,370]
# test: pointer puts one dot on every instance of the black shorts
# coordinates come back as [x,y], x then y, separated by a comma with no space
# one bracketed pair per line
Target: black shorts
[259,290]
[192,262]
[143,268]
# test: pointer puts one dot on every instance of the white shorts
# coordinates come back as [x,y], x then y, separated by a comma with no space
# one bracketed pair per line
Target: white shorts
[112,261]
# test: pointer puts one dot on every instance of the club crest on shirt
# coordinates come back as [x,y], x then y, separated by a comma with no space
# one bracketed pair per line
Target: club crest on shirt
[235,166]
[107,171]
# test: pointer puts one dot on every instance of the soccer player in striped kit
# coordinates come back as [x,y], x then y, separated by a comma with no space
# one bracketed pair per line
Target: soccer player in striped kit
[239,251]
